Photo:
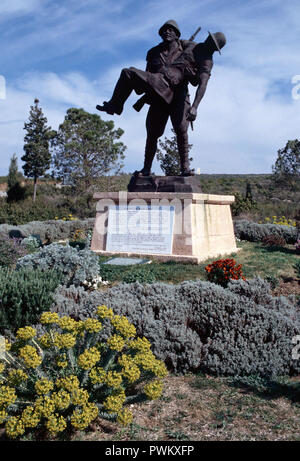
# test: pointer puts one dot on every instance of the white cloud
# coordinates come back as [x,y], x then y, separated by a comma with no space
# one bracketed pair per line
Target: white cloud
[18,6]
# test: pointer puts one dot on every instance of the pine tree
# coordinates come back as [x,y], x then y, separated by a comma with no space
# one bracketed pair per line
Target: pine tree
[169,157]
[12,177]
[286,170]
[14,189]
[37,158]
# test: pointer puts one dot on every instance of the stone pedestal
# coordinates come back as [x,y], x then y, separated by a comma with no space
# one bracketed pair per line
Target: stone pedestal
[153,183]
[202,223]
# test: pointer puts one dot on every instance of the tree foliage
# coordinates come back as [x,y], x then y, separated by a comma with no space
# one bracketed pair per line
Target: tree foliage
[85,148]
[168,156]
[12,177]
[286,169]
[14,189]
[37,158]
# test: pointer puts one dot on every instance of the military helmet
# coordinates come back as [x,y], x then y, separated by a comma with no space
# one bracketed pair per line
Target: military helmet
[219,40]
[172,23]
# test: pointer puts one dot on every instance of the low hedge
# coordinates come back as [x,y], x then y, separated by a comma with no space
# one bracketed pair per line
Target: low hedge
[254,232]
[49,231]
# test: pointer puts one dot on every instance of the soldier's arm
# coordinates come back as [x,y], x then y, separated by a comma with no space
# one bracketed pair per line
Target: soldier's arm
[201,80]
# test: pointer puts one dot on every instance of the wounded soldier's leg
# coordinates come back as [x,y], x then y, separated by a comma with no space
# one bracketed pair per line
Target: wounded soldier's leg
[129,80]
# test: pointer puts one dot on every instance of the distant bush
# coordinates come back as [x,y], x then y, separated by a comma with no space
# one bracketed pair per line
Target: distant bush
[49,231]
[242,204]
[200,326]
[75,266]
[24,211]
[10,251]
[297,246]
[253,232]
[273,241]
[24,295]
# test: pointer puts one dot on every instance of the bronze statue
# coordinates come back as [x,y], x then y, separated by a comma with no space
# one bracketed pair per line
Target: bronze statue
[171,66]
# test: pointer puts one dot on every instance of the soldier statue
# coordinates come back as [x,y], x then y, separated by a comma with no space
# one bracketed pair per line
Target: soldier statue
[171,66]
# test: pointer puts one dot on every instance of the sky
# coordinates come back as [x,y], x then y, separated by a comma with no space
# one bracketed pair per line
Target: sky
[69,53]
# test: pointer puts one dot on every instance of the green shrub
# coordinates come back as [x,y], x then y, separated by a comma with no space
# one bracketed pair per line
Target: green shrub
[23,211]
[242,205]
[24,295]
[76,266]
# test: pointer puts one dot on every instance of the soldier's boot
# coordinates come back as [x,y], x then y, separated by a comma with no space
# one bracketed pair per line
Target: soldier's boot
[150,151]
[122,91]
[183,150]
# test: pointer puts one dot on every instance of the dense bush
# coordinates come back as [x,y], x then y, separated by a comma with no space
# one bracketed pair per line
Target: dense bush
[10,251]
[49,231]
[273,241]
[23,211]
[242,204]
[198,325]
[24,295]
[76,266]
[253,232]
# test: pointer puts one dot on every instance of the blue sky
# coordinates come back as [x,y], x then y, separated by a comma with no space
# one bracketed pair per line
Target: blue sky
[69,53]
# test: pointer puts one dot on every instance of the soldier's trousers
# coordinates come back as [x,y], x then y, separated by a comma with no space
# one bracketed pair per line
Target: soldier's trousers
[157,118]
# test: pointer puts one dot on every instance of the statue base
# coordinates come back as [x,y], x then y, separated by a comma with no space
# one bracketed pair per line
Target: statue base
[152,183]
[184,227]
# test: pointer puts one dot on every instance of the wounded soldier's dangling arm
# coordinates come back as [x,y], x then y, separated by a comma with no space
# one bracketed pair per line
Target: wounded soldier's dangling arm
[202,80]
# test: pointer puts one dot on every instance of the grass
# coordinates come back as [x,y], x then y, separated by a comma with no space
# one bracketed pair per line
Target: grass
[255,258]
[212,408]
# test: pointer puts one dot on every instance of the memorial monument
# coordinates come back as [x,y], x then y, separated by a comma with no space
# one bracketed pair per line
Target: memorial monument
[166,216]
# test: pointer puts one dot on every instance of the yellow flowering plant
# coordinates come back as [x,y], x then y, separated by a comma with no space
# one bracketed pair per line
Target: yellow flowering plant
[67,375]
[280,221]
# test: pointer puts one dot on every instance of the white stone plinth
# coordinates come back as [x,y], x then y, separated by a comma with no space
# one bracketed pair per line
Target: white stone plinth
[202,227]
